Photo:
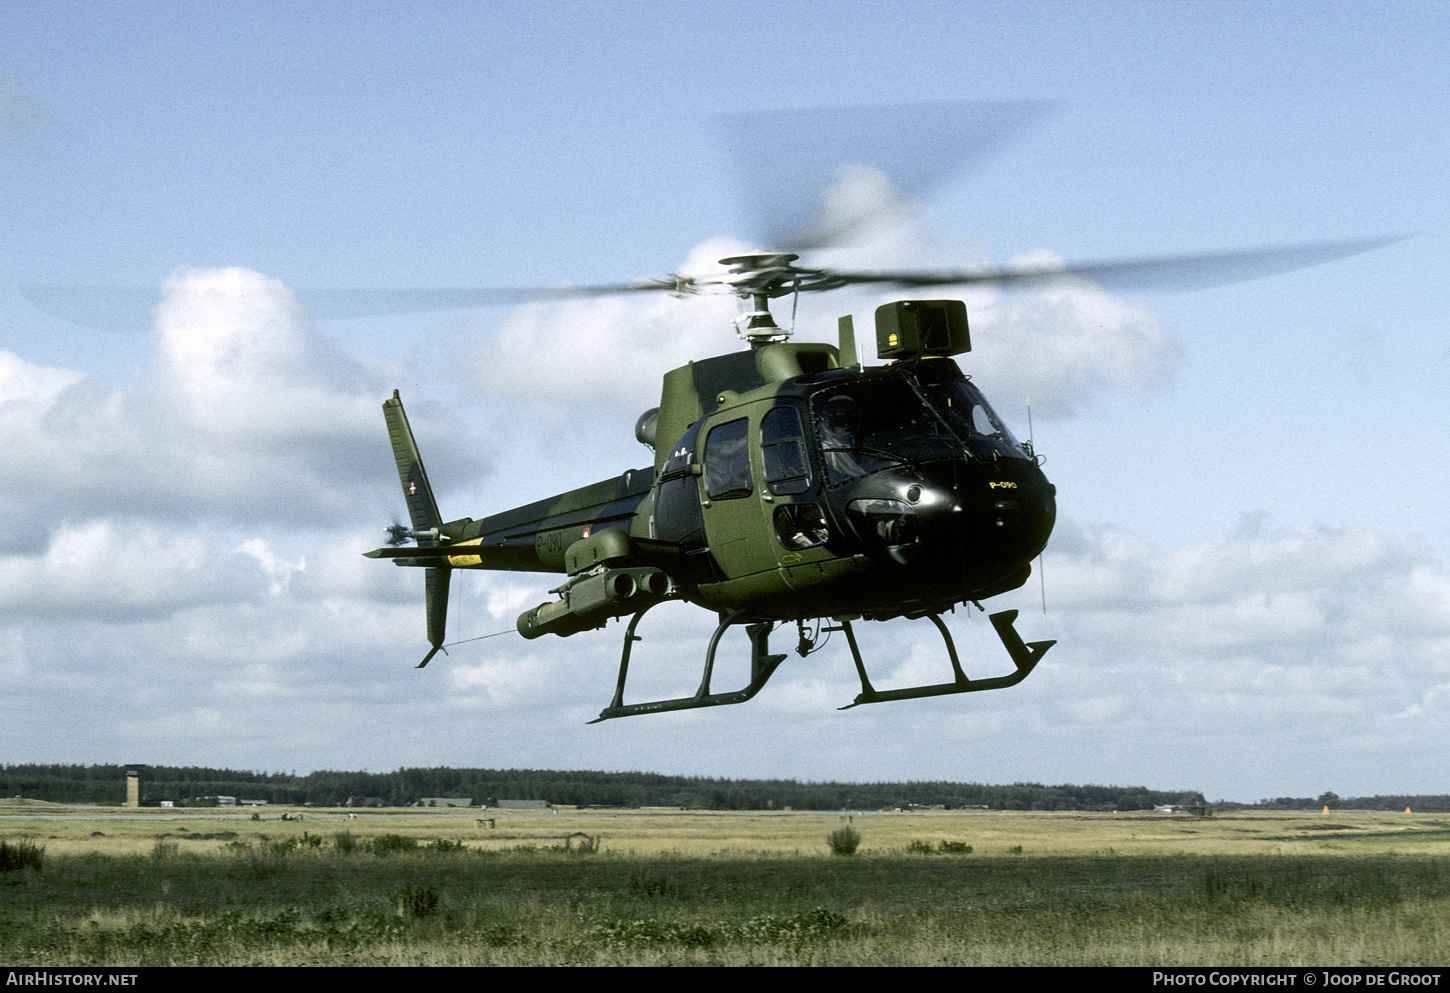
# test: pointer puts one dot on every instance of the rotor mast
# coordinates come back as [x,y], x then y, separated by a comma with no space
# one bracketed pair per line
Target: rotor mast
[758,278]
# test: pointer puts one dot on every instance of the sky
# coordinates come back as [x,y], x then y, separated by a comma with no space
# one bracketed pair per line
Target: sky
[1248,581]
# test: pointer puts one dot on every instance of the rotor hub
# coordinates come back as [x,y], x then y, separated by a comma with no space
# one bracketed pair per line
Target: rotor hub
[759,278]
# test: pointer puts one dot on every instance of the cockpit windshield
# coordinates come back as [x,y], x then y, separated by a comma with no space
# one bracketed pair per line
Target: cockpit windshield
[873,424]
[974,419]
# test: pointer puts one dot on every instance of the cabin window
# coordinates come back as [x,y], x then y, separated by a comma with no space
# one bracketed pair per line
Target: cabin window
[677,508]
[782,450]
[801,525]
[727,461]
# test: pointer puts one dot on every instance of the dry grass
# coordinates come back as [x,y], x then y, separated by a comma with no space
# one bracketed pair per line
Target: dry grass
[668,887]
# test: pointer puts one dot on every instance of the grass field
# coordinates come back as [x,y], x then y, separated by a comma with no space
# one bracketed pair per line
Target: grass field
[673,888]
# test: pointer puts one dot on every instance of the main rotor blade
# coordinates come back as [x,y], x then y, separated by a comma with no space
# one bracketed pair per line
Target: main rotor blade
[1173,272]
[119,307]
[345,304]
[790,159]
[104,308]
[122,308]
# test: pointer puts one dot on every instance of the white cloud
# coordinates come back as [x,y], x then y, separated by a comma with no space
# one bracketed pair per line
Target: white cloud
[96,569]
[22,383]
[1293,617]
[239,361]
[559,361]
[248,414]
[1063,346]
[279,571]
[1290,559]
[495,682]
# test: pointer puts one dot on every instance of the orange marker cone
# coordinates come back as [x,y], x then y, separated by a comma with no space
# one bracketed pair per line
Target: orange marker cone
[1407,810]
[1326,810]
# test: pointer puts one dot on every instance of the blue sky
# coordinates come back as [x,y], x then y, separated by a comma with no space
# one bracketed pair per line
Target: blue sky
[1248,583]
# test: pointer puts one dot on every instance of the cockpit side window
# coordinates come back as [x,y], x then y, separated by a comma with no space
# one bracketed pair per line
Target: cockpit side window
[727,461]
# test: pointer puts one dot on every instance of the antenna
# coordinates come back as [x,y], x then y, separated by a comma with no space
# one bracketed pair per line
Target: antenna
[1042,582]
[1041,572]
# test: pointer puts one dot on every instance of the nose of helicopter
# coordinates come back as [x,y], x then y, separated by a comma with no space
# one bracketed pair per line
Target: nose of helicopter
[967,523]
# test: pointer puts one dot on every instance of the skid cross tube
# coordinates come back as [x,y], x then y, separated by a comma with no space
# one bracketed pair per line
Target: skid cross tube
[762,666]
[1025,656]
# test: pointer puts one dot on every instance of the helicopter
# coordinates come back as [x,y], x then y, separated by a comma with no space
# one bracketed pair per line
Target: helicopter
[794,484]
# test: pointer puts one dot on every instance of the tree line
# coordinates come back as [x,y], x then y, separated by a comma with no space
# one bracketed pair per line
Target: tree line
[106,784]
[193,785]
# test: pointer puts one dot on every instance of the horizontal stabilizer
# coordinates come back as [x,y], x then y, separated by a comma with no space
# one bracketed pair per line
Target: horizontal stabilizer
[460,556]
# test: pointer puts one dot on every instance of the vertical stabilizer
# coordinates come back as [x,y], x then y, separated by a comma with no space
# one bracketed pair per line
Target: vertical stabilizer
[435,597]
[422,509]
[423,513]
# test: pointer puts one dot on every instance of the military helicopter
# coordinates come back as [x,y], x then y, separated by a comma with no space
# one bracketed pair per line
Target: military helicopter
[793,483]
[796,484]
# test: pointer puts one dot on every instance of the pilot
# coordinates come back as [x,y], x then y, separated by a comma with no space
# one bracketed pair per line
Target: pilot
[840,426]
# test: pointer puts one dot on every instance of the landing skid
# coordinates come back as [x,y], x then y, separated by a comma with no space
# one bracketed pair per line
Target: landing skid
[1025,656]
[763,666]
